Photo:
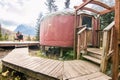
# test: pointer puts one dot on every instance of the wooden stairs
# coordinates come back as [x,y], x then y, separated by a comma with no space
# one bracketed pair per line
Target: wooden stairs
[93,54]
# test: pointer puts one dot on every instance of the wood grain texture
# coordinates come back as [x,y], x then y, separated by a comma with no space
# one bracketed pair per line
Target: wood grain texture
[48,69]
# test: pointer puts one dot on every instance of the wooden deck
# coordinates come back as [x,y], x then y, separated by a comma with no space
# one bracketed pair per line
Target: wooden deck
[17,43]
[47,69]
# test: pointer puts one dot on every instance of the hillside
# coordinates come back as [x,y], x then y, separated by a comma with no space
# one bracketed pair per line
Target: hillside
[6,31]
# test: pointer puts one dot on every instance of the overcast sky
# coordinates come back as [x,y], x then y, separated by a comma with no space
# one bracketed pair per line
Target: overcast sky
[15,12]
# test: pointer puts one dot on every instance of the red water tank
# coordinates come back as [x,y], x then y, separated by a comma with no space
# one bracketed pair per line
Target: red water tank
[57,30]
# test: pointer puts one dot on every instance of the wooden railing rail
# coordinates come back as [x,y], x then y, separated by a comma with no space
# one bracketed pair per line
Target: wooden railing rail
[82,41]
[109,26]
[107,45]
[82,30]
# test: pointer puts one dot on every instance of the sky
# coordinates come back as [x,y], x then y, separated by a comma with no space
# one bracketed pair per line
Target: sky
[16,12]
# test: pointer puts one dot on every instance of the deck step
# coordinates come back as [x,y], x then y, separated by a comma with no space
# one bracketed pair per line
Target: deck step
[94,55]
[93,59]
[96,51]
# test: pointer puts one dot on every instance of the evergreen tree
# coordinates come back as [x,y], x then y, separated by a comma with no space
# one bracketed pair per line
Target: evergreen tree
[106,19]
[51,5]
[6,36]
[0,33]
[38,26]
[67,4]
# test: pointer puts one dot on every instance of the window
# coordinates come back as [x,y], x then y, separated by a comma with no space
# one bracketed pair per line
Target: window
[87,21]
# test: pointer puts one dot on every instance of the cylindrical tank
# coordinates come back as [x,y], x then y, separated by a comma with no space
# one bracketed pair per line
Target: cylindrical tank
[57,29]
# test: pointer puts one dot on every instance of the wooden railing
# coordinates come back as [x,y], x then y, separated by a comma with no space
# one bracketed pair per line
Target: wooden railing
[107,45]
[81,41]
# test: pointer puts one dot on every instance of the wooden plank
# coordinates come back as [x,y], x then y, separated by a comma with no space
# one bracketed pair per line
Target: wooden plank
[25,43]
[83,4]
[57,71]
[92,59]
[100,4]
[95,50]
[83,29]
[29,72]
[107,11]
[109,26]
[102,77]
[47,69]
[91,76]
[69,70]
[116,39]
[106,39]
[81,68]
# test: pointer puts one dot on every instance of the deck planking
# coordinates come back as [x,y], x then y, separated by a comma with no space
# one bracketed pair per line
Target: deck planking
[95,50]
[17,44]
[48,69]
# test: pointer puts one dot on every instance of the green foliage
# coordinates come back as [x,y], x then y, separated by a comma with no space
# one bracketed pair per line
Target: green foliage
[106,19]
[68,55]
[38,26]
[40,54]
[3,37]
[6,36]
[0,34]
[17,78]
[29,38]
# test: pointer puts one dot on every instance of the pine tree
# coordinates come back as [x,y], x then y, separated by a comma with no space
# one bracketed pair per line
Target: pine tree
[106,19]
[51,5]
[38,26]
[6,36]
[67,4]
[0,33]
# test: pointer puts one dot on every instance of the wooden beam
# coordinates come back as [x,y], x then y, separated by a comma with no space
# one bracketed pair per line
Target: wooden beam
[83,4]
[116,38]
[99,3]
[89,9]
[107,11]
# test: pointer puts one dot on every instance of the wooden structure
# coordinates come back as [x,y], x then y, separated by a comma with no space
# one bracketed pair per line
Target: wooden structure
[17,44]
[116,40]
[47,69]
[110,37]
[81,42]
[77,23]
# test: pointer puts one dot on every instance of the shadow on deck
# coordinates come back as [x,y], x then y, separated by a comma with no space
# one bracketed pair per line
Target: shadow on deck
[47,69]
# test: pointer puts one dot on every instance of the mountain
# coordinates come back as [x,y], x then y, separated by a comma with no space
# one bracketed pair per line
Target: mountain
[26,29]
[6,31]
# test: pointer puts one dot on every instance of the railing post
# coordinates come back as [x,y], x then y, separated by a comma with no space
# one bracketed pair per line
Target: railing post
[78,47]
[104,61]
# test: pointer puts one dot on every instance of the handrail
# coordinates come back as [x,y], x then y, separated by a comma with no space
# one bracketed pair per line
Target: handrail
[107,45]
[83,29]
[81,26]
[82,41]
[109,26]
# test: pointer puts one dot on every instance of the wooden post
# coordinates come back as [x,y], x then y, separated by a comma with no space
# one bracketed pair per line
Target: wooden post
[61,52]
[75,36]
[104,60]
[116,39]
